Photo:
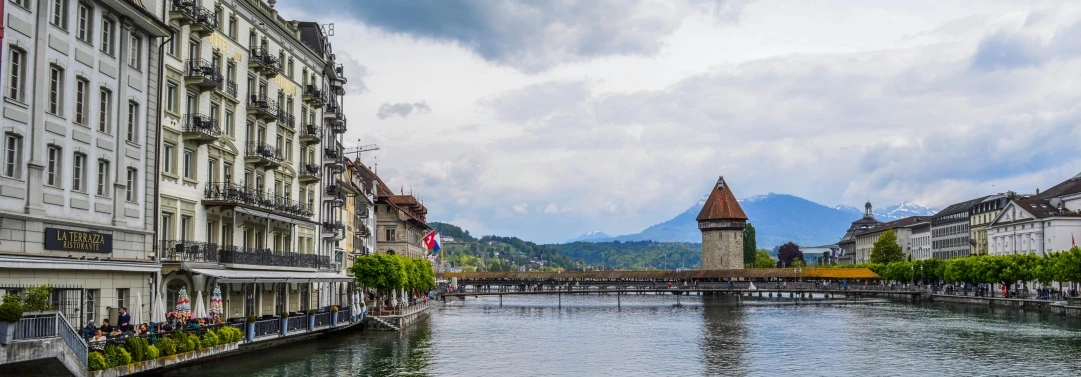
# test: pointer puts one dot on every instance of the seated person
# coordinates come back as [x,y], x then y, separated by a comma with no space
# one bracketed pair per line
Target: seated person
[144,329]
[115,333]
[168,326]
[89,331]
[106,327]
[193,324]
[98,336]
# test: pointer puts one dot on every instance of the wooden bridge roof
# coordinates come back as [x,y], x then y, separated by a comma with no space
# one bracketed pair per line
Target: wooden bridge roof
[814,273]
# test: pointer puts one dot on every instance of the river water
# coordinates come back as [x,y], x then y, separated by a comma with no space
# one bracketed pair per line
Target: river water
[651,335]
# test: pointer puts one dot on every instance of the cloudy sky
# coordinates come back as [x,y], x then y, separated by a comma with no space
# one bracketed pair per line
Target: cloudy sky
[549,119]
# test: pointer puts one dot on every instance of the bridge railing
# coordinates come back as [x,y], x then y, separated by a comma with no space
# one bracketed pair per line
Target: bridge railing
[512,286]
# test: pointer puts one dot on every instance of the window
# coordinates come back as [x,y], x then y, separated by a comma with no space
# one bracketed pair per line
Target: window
[17,75]
[85,15]
[82,89]
[214,111]
[185,227]
[166,225]
[131,181]
[170,97]
[288,191]
[229,122]
[167,157]
[232,27]
[230,73]
[171,46]
[218,14]
[78,173]
[190,106]
[278,142]
[135,55]
[227,172]
[56,90]
[133,120]
[390,235]
[103,178]
[91,303]
[60,14]
[52,170]
[289,149]
[107,36]
[121,298]
[189,156]
[290,70]
[193,50]
[212,170]
[12,155]
[104,110]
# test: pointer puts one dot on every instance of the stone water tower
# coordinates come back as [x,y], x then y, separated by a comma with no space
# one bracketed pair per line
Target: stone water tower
[721,222]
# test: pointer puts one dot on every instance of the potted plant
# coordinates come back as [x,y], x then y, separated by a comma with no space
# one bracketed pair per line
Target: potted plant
[334,316]
[10,314]
[285,323]
[311,319]
[251,328]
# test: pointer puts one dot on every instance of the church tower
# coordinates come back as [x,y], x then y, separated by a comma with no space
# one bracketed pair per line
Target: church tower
[721,222]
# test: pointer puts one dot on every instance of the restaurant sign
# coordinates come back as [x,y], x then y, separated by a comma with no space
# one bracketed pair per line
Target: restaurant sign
[77,240]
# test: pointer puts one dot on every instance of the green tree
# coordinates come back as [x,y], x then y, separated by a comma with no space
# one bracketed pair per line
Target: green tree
[763,260]
[886,249]
[380,271]
[750,245]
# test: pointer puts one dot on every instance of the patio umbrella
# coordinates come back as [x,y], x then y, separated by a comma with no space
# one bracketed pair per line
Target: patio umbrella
[215,303]
[158,314]
[183,303]
[137,315]
[200,308]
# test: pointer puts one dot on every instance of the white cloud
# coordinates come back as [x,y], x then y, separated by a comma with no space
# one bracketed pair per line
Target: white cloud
[931,103]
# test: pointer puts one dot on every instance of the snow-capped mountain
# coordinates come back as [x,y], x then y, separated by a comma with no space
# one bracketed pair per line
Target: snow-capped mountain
[890,213]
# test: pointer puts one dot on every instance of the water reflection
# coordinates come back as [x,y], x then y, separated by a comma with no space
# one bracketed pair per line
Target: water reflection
[724,335]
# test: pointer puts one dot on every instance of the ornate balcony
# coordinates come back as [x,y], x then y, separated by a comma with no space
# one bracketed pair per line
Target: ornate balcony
[337,124]
[336,87]
[333,159]
[362,231]
[200,128]
[188,12]
[310,173]
[361,212]
[286,119]
[262,60]
[263,107]
[267,257]
[188,251]
[229,88]
[334,230]
[202,73]
[259,153]
[335,194]
[311,134]
[231,194]
[314,96]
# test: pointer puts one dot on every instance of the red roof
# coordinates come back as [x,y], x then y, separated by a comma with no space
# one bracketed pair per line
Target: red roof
[721,204]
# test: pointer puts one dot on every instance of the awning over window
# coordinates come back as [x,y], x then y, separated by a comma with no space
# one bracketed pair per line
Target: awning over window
[248,276]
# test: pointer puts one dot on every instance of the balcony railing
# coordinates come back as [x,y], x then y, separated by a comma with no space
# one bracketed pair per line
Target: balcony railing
[263,106]
[334,227]
[265,61]
[335,193]
[332,108]
[310,133]
[286,119]
[201,127]
[310,172]
[332,153]
[188,251]
[266,257]
[235,194]
[337,125]
[203,73]
[313,94]
[201,19]
[263,153]
[230,88]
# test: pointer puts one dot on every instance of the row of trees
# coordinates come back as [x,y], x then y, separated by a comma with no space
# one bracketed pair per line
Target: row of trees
[390,272]
[1003,269]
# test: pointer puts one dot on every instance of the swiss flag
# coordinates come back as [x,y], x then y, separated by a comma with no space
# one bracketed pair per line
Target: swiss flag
[431,241]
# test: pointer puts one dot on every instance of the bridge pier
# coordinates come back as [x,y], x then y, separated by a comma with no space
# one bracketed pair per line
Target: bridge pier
[619,304]
[501,301]
[560,300]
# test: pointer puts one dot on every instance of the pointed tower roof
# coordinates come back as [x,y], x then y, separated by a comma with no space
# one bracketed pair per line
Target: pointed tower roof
[721,204]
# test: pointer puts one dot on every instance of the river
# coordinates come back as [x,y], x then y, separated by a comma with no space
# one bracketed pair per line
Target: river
[650,335]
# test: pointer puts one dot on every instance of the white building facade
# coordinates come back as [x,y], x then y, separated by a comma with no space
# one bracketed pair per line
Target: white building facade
[1046,223]
[77,178]
[243,180]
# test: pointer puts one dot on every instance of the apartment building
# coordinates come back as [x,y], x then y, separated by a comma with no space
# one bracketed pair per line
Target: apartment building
[81,82]
[904,229]
[950,230]
[244,175]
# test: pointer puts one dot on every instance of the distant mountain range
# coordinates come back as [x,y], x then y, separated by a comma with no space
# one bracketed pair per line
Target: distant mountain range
[777,219]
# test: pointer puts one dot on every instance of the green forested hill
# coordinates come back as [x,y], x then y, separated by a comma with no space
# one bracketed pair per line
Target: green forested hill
[637,255]
[452,230]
